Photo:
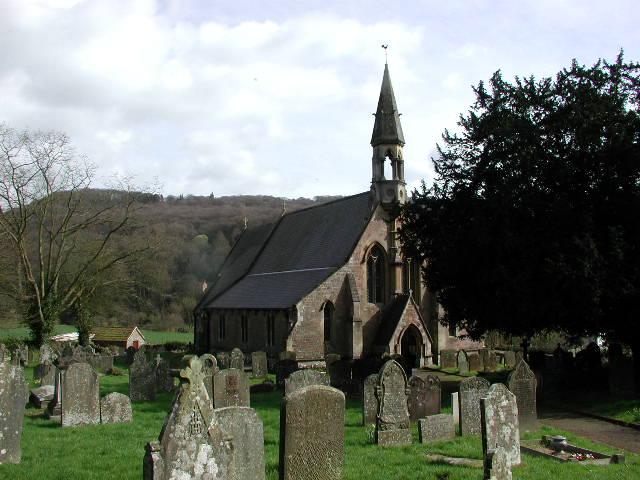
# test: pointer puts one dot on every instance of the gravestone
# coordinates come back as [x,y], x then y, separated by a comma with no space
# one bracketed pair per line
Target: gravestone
[192,444]
[519,356]
[392,421]
[475,362]
[42,396]
[283,369]
[312,434]
[499,412]
[259,364]
[369,400]
[463,362]
[455,409]
[210,368]
[304,378]
[237,359]
[424,397]
[447,359]
[522,383]
[80,396]
[510,359]
[130,355]
[224,359]
[54,408]
[244,425]
[115,408]
[436,428]
[230,389]
[489,360]
[496,465]
[4,354]
[142,378]
[287,355]
[44,373]
[13,398]
[164,379]
[102,363]
[339,373]
[471,391]
[47,354]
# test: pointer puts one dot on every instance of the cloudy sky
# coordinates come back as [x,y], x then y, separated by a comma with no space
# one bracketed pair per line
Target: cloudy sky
[275,96]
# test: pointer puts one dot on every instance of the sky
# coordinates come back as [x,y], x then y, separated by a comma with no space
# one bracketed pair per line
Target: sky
[275,97]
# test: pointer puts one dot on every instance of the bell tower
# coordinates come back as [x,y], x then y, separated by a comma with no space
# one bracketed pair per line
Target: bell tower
[387,141]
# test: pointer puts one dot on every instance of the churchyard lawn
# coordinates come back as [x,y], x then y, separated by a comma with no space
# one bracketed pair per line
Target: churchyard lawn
[116,450]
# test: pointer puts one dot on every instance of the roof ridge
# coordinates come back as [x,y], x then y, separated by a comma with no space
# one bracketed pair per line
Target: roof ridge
[330,202]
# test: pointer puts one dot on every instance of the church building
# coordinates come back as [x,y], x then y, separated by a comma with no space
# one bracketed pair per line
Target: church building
[329,279]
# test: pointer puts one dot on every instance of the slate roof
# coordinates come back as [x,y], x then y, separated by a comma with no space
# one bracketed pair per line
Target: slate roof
[111,334]
[391,315]
[387,127]
[299,253]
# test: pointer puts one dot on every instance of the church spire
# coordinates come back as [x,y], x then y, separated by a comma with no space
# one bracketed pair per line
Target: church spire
[387,128]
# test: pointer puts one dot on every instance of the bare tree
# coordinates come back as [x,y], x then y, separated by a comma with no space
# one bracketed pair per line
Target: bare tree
[65,243]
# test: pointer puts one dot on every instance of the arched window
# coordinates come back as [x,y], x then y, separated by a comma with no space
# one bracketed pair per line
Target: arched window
[328,320]
[376,274]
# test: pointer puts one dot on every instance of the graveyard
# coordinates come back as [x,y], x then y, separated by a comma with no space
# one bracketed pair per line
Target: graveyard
[104,451]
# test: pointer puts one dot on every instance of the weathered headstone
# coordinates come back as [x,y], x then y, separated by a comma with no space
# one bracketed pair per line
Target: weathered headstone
[102,362]
[47,354]
[237,359]
[475,362]
[80,396]
[304,378]
[436,428]
[499,412]
[142,378]
[192,444]
[392,422]
[509,359]
[209,368]
[489,360]
[259,364]
[455,408]
[471,391]
[519,356]
[164,379]
[13,398]
[424,397]
[45,373]
[244,425]
[369,400]
[4,354]
[224,360]
[522,383]
[447,359]
[312,434]
[230,388]
[283,369]
[115,408]
[463,362]
[496,465]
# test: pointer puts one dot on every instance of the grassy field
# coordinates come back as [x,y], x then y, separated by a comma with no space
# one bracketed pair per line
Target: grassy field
[600,403]
[152,337]
[116,451]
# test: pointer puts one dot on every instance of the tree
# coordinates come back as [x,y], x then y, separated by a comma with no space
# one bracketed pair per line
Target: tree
[532,220]
[64,242]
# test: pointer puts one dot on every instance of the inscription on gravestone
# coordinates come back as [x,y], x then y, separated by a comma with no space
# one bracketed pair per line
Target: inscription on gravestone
[369,400]
[471,391]
[230,389]
[115,408]
[312,434]
[424,396]
[392,422]
[244,426]
[522,383]
[80,396]
[436,428]
[500,423]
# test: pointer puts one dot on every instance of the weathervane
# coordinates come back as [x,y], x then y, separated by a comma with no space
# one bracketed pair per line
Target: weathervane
[385,51]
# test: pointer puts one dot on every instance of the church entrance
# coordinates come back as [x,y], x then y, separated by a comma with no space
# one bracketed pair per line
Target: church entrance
[411,346]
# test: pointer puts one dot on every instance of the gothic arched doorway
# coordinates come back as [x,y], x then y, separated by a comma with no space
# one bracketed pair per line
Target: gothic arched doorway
[411,346]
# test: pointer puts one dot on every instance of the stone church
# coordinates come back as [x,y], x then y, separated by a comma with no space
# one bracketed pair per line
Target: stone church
[329,279]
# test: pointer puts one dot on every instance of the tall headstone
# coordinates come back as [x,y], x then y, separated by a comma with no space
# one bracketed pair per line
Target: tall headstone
[463,362]
[44,373]
[304,378]
[369,400]
[522,383]
[54,408]
[164,379]
[424,397]
[312,434]
[392,422]
[499,412]
[224,360]
[447,359]
[237,359]
[115,408]
[455,408]
[259,364]
[475,362]
[80,396]
[471,391]
[509,359]
[192,443]
[436,428]
[209,368]
[142,378]
[496,465]
[47,354]
[244,426]
[230,389]
[13,398]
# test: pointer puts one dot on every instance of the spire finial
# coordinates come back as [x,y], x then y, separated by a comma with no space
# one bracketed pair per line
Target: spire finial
[385,52]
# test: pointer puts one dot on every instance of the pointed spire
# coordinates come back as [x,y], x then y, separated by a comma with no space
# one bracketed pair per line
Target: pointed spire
[387,128]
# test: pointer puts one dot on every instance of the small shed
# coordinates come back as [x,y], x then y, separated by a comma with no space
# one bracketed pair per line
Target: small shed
[123,337]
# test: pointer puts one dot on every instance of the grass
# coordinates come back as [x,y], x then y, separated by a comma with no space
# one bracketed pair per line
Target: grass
[152,336]
[116,451]
[600,403]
